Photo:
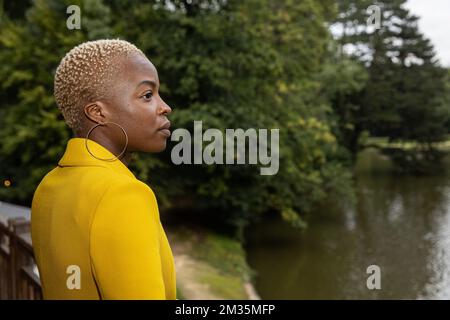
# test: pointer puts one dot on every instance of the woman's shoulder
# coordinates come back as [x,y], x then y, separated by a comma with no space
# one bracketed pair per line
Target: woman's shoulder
[124,184]
[95,180]
[112,179]
[121,186]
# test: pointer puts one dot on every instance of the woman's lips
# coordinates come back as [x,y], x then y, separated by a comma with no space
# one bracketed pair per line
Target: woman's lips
[165,129]
[165,132]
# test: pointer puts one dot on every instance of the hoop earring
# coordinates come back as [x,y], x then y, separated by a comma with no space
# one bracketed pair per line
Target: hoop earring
[108,159]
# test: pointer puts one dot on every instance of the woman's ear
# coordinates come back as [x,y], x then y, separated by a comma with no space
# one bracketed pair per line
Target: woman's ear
[96,112]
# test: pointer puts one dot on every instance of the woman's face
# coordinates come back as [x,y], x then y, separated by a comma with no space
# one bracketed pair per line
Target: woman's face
[136,105]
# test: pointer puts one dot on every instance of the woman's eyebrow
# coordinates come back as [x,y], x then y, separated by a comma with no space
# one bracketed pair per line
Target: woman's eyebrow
[149,82]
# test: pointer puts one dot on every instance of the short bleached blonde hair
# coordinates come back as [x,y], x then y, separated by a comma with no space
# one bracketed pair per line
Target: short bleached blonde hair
[86,74]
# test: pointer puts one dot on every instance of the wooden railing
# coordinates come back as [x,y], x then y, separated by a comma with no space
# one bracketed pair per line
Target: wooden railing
[18,272]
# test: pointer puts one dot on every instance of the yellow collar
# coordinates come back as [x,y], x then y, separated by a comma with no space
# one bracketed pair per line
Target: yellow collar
[76,154]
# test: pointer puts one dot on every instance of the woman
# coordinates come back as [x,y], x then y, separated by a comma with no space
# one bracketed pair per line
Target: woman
[96,229]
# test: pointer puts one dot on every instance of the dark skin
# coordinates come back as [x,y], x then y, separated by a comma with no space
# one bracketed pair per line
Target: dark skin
[135,104]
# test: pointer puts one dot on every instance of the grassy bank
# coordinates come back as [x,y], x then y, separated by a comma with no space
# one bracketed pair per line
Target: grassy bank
[383,142]
[209,265]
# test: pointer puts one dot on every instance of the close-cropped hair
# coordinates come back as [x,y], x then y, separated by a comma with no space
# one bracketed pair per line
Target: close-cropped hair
[86,73]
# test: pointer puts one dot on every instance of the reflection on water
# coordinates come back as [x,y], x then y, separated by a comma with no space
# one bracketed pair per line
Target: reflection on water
[400,223]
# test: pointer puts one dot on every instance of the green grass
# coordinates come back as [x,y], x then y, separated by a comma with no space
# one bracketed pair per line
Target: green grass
[180,295]
[223,253]
[383,142]
[225,285]
[222,261]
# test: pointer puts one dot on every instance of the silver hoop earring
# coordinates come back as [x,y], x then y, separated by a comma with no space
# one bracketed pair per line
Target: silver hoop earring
[108,159]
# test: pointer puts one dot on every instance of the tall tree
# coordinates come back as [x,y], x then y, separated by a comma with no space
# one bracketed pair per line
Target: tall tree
[402,98]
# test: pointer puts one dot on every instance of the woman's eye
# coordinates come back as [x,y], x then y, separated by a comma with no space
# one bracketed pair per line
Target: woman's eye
[148,95]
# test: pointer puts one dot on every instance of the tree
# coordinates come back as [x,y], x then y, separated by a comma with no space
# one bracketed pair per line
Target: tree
[231,64]
[402,98]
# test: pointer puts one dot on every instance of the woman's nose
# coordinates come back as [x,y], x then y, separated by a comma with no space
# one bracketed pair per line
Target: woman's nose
[164,108]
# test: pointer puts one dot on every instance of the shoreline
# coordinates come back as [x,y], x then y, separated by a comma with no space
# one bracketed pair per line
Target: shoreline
[209,266]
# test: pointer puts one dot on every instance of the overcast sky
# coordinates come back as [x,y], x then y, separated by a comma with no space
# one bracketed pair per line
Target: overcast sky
[435,24]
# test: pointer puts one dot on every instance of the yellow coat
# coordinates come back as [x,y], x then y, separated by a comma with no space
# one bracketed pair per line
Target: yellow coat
[96,231]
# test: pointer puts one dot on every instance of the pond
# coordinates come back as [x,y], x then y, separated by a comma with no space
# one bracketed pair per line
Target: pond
[399,223]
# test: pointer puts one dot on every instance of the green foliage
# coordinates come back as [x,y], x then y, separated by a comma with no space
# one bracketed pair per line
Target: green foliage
[249,64]
[231,64]
[344,79]
[32,132]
